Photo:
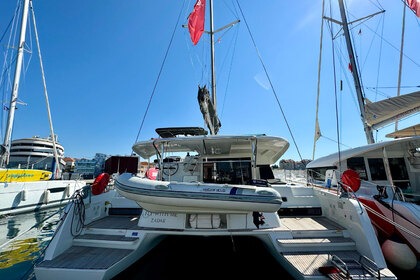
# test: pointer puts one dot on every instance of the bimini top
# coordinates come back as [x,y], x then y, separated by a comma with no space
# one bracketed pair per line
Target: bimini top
[406,132]
[268,149]
[408,144]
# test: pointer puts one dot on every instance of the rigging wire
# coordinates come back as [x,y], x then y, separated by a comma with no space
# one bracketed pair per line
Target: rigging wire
[158,76]
[336,101]
[9,60]
[342,59]
[318,133]
[56,172]
[269,80]
[402,54]
[227,59]
[194,56]
[380,56]
[335,79]
[229,75]
[393,46]
[381,24]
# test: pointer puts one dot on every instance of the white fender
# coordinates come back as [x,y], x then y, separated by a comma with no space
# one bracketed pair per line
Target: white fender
[399,254]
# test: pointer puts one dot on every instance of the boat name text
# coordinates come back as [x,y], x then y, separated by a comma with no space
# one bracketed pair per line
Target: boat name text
[214,190]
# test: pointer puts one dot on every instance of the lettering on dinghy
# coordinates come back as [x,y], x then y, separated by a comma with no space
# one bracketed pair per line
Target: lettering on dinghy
[220,190]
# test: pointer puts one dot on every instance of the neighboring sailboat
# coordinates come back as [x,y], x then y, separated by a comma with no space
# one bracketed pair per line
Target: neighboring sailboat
[387,173]
[28,189]
[214,186]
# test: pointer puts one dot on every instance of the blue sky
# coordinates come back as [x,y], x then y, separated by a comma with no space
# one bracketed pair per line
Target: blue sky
[102,60]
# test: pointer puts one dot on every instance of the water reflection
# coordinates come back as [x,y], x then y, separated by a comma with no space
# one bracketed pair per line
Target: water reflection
[23,238]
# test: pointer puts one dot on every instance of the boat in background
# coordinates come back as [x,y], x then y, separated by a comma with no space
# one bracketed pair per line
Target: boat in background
[32,181]
[32,159]
[383,176]
[213,186]
[37,153]
[29,189]
[387,174]
[23,175]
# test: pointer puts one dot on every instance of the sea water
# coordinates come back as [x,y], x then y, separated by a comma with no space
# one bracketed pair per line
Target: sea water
[23,238]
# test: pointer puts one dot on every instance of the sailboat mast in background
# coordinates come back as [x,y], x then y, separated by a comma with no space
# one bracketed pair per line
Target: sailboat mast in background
[355,73]
[16,80]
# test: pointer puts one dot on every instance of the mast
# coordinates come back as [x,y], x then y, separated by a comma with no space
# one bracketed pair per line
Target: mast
[213,72]
[13,98]
[207,98]
[355,72]
[57,171]
[401,59]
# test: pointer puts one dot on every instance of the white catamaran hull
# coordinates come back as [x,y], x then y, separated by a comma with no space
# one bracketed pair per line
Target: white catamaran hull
[123,234]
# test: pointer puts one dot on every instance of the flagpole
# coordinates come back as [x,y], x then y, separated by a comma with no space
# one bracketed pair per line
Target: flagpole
[213,74]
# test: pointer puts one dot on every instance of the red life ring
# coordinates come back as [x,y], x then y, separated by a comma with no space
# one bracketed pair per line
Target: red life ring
[351,180]
[100,183]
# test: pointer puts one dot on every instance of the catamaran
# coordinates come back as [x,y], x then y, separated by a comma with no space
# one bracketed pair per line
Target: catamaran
[386,174]
[214,186]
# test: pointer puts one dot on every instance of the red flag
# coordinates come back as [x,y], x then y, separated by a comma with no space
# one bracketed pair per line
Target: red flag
[196,21]
[415,6]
